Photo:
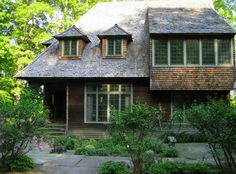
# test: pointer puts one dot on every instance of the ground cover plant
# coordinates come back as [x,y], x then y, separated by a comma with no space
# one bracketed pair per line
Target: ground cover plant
[21,123]
[112,167]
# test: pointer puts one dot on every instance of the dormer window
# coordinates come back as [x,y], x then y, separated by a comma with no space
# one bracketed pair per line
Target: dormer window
[70,48]
[115,42]
[114,47]
[71,43]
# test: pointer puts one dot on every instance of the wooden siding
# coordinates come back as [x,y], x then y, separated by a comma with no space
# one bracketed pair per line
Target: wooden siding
[191,78]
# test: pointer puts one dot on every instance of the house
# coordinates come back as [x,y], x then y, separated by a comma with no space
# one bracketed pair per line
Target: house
[167,53]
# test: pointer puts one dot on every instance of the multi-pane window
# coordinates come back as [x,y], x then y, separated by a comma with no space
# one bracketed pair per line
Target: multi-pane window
[192,52]
[114,47]
[102,99]
[208,52]
[70,48]
[176,52]
[161,52]
[224,51]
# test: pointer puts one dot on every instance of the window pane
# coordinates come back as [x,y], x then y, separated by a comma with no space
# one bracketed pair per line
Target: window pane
[91,88]
[73,47]
[208,52]
[176,52]
[125,101]
[91,107]
[66,47]
[103,88]
[161,52]
[192,51]
[110,46]
[114,102]
[125,88]
[114,87]
[102,107]
[118,47]
[224,51]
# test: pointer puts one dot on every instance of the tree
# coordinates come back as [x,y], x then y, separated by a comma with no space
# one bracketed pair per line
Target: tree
[133,128]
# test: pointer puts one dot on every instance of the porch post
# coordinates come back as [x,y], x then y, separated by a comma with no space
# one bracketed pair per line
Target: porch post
[67,105]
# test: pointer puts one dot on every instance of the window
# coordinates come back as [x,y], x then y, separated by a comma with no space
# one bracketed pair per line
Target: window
[224,51]
[101,99]
[70,48]
[176,52]
[161,52]
[192,52]
[208,52]
[114,47]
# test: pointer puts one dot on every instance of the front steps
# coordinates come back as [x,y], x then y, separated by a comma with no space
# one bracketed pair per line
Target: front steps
[56,129]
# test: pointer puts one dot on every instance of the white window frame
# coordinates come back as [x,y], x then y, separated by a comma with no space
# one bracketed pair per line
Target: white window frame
[114,48]
[77,48]
[108,93]
[185,55]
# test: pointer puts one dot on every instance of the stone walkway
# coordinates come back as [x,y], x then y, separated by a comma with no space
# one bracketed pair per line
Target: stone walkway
[67,163]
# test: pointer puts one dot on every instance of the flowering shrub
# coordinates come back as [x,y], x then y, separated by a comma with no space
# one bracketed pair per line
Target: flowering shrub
[21,122]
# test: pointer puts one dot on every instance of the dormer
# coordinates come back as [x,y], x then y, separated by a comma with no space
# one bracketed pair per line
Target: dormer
[114,42]
[71,43]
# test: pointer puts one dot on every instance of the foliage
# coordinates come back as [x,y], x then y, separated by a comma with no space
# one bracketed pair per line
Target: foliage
[132,127]
[184,137]
[111,167]
[102,147]
[22,163]
[169,167]
[216,120]
[20,123]
[67,142]
[169,151]
[155,144]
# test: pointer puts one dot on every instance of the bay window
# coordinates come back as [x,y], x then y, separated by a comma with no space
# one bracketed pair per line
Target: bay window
[198,52]
[102,99]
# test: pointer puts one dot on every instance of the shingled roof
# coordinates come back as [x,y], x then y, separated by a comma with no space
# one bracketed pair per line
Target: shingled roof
[185,21]
[115,31]
[133,18]
[49,42]
[72,32]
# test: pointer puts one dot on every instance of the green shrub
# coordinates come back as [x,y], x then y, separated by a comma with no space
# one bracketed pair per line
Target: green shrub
[67,142]
[154,144]
[111,167]
[184,137]
[169,167]
[170,152]
[22,163]
[90,150]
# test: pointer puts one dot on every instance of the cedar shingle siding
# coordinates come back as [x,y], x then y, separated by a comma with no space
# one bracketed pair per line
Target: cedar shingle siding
[192,78]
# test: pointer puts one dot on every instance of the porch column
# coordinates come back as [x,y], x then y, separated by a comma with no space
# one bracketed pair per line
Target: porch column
[67,107]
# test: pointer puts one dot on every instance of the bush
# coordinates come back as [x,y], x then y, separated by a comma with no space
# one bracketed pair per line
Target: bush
[111,167]
[184,137]
[173,167]
[22,163]
[154,144]
[216,121]
[21,122]
[170,152]
[90,150]
[67,142]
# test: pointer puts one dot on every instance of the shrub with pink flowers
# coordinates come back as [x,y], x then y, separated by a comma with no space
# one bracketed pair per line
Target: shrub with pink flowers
[21,123]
